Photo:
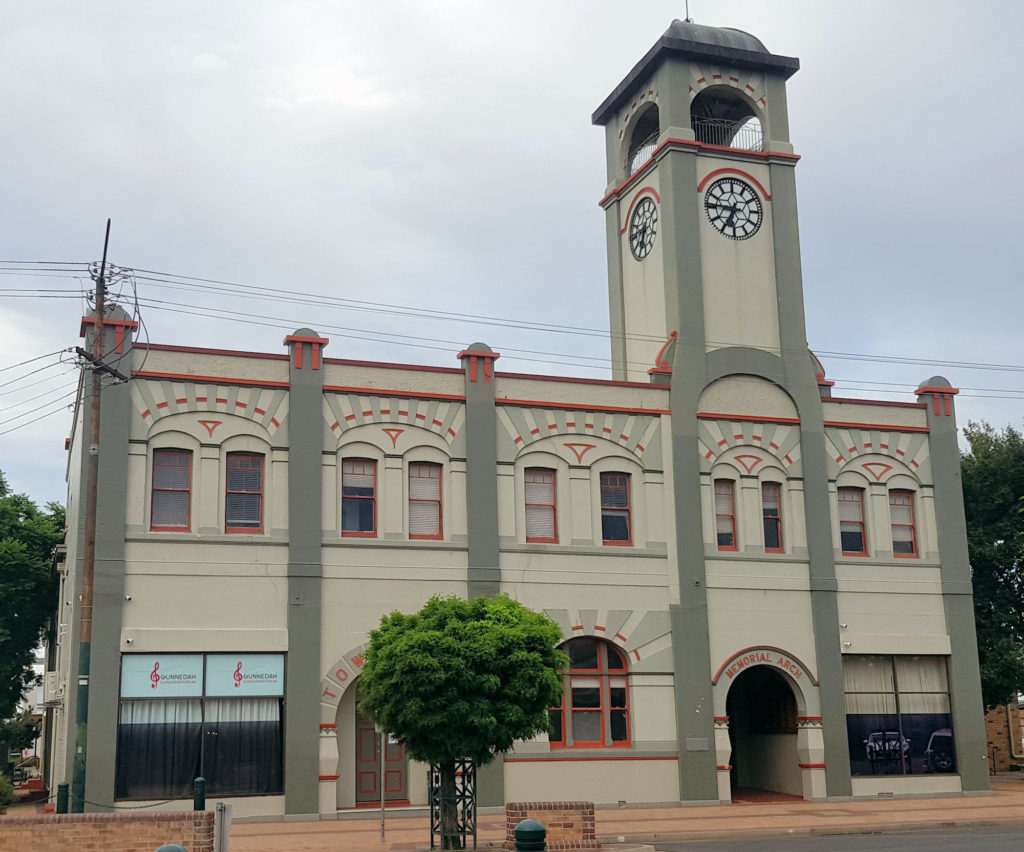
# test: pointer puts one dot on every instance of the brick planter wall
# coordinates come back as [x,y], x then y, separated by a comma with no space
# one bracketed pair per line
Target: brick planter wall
[570,825]
[118,832]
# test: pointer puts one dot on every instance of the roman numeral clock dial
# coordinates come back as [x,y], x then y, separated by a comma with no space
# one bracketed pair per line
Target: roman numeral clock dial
[643,228]
[733,208]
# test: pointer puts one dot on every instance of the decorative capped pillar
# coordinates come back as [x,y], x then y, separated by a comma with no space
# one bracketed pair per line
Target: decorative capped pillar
[478,362]
[306,347]
[116,324]
[938,394]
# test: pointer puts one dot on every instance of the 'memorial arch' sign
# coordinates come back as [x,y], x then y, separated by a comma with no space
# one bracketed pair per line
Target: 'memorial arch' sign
[765,655]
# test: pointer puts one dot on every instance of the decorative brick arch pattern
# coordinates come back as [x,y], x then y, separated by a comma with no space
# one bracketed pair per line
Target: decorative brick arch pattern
[846,446]
[777,443]
[644,635]
[750,83]
[646,97]
[637,433]
[338,678]
[344,411]
[154,400]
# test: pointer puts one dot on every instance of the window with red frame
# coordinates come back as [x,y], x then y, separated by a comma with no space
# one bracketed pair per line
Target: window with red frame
[771,510]
[172,488]
[725,514]
[541,518]
[359,498]
[424,500]
[243,505]
[852,533]
[594,712]
[616,527]
[901,515]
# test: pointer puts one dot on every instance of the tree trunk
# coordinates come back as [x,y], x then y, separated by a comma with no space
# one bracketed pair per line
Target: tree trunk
[450,837]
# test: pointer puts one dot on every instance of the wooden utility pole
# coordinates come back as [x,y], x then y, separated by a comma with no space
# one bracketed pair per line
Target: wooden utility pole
[89,550]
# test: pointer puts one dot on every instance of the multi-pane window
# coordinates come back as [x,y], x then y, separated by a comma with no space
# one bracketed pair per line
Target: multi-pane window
[541,520]
[172,484]
[901,515]
[725,514]
[243,505]
[594,712]
[615,521]
[851,522]
[359,497]
[898,716]
[771,511]
[425,500]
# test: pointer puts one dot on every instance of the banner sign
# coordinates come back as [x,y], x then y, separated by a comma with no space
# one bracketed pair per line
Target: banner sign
[161,675]
[235,675]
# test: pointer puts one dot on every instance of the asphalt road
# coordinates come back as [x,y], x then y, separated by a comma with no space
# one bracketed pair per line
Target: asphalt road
[989,838]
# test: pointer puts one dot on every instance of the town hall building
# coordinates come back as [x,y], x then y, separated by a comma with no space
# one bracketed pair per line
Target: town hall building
[760,584]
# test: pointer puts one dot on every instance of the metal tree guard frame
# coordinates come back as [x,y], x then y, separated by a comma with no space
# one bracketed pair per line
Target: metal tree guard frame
[465,803]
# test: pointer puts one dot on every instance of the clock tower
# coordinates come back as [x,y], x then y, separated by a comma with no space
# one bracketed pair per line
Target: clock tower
[700,206]
[705,295]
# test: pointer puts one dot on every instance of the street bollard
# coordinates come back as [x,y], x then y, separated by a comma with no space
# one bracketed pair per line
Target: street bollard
[62,797]
[530,836]
[171,847]
[199,799]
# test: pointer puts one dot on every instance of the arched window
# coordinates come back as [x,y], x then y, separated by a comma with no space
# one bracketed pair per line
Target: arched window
[594,712]
[172,487]
[359,498]
[901,516]
[425,500]
[771,512]
[243,504]
[643,140]
[725,514]
[541,517]
[852,534]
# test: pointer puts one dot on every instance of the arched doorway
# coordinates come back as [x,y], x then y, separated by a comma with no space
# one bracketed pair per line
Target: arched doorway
[762,711]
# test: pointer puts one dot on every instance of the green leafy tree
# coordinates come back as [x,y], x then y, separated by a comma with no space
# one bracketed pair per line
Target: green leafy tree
[28,588]
[16,734]
[462,679]
[993,482]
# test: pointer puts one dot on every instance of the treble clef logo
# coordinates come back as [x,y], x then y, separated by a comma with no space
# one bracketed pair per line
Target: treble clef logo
[238,675]
[154,676]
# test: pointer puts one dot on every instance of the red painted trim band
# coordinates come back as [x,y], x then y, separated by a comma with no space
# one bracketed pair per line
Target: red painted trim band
[644,190]
[811,765]
[576,759]
[535,403]
[214,380]
[743,418]
[842,424]
[885,402]
[328,724]
[458,397]
[329,777]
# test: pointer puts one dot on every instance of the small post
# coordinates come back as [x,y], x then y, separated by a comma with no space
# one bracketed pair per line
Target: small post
[199,798]
[62,797]
[530,836]
[171,847]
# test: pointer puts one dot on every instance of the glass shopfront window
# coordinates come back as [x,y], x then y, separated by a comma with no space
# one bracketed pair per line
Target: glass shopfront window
[186,715]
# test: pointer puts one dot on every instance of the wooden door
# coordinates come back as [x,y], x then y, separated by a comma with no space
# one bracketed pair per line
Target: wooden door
[368,767]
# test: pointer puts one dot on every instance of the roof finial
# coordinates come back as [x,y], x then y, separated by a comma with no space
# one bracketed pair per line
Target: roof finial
[688,19]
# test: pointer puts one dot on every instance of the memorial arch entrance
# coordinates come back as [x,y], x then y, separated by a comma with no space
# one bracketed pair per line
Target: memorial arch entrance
[767,739]
[762,713]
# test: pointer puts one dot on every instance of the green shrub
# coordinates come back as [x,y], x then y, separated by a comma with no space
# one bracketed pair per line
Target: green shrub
[6,792]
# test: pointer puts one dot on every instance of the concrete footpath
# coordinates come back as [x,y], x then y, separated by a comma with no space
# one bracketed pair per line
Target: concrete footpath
[636,829]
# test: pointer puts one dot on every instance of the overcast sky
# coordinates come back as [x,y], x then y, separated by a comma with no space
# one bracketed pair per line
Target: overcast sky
[440,156]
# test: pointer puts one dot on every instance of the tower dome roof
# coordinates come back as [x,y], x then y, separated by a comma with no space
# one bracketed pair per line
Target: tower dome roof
[719,36]
[722,46]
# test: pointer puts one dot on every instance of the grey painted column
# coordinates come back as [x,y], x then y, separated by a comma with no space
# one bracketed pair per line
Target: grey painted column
[957,591]
[108,580]
[484,576]
[691,648]
[305,572]
[484,579]
[801,383]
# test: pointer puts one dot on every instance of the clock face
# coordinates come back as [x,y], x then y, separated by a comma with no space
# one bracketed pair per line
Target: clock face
[643,228]
[733,208]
